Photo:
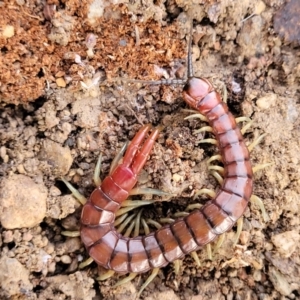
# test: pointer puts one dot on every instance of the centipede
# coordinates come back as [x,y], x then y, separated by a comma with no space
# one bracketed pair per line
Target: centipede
[116,252]
[113,251]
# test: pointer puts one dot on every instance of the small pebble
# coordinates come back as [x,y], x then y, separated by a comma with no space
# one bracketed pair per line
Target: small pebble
[60,82]
[177,177]
[58,158]
[7,31]
[257,275]
[280,282]
[266,101]
[27,236]
[286,242]
[66,259]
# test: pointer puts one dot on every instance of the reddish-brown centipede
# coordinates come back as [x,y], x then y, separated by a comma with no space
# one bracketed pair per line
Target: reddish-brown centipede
[140,254]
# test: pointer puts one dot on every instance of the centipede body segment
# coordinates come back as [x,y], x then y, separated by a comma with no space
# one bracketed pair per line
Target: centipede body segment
[140,254]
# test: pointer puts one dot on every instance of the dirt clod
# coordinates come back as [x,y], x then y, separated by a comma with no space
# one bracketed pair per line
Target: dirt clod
[14,278]
[22,202]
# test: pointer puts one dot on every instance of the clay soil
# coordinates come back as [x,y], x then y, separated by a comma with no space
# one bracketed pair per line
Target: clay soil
[66,96]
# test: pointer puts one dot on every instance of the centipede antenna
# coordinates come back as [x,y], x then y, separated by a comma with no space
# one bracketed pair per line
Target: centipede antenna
[153,82]
[189,57]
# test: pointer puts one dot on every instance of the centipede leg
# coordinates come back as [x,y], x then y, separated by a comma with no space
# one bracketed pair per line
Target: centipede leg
[96,177]
[208,141]
[248,121]
[148,281]
[148,191]
[74,191]
[219,243]
[214,157]
[204,129]
[239,227]
[217,168]
[256,142]
[209,251]
[125,280]
[196,259]
[117,158]
[256,200]
[106,275]
[85,263]
[195,115]
[211,193]
[217,176]
[260,167]
[71,233]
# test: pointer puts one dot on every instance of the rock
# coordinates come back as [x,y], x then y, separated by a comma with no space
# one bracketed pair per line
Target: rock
[77,286]
[249,38]
[57,157]
[60,82]
[14,278]
[266,101]
[286,242]
[22,202]
[280,282]
[87,111]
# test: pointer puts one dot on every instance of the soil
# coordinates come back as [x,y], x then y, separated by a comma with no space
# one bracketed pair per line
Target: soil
[67,96]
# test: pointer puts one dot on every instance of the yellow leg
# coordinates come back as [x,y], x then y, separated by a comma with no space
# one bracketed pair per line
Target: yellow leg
[126,279]
[196,116]
[71,233]
[106,275]
[219,243]
[148,191]
[117,158]
[239,225]
[256,200]
[260,167]
[209,141]
[177,265]
[75,192]
[122,226]
[212,194]
[218,177]
[148,281]
[209,252]
[214,157]
[96,177]
[256,142]
[195,256]
[166,220]
[85,263]
[204,129]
